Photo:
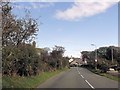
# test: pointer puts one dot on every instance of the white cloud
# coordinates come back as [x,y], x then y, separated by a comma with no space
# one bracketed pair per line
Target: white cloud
[58,0]
[41,5]
[73,54]
[83,9]
[34,5]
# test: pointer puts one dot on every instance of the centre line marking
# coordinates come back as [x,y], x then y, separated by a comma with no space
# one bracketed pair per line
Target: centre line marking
[78,71]
[82,76]
[89,84]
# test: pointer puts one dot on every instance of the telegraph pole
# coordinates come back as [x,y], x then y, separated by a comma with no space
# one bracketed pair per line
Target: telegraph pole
[112,54]
[95,55]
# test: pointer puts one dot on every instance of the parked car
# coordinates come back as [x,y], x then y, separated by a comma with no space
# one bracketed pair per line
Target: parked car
[73,65]
[114,67]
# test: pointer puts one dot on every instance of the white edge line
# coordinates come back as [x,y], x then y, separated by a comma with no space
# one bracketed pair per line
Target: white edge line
[89,84]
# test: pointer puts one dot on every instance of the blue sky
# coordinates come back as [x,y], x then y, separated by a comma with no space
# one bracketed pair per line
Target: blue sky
[72,25]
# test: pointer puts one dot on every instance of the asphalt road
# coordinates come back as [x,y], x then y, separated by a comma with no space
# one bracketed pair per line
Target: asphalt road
[79,78]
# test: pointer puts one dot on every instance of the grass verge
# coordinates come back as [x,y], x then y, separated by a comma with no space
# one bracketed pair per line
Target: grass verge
[116,78]
[27,82]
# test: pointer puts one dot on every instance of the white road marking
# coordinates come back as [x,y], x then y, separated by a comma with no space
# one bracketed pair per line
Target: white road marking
[89,84]
[78,71]
[85,80]
[82,76]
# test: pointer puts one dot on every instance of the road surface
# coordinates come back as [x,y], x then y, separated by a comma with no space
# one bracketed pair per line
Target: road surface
[78,77]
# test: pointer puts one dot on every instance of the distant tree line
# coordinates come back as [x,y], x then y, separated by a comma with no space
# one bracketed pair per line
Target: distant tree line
[106,56]
[19,53]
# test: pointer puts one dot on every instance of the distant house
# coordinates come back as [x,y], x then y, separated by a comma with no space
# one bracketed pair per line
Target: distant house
[70,60]
[75,61]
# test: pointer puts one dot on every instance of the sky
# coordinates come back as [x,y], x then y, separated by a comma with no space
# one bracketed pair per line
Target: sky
[73,25]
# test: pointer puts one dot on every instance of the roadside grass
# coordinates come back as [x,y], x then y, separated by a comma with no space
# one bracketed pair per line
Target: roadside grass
[116,78]
[0,81]
[27,82]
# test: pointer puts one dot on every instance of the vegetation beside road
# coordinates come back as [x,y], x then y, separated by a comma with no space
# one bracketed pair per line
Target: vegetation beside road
[28,82]
[116,78]
[20,56]
[24,64]
[108,58]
